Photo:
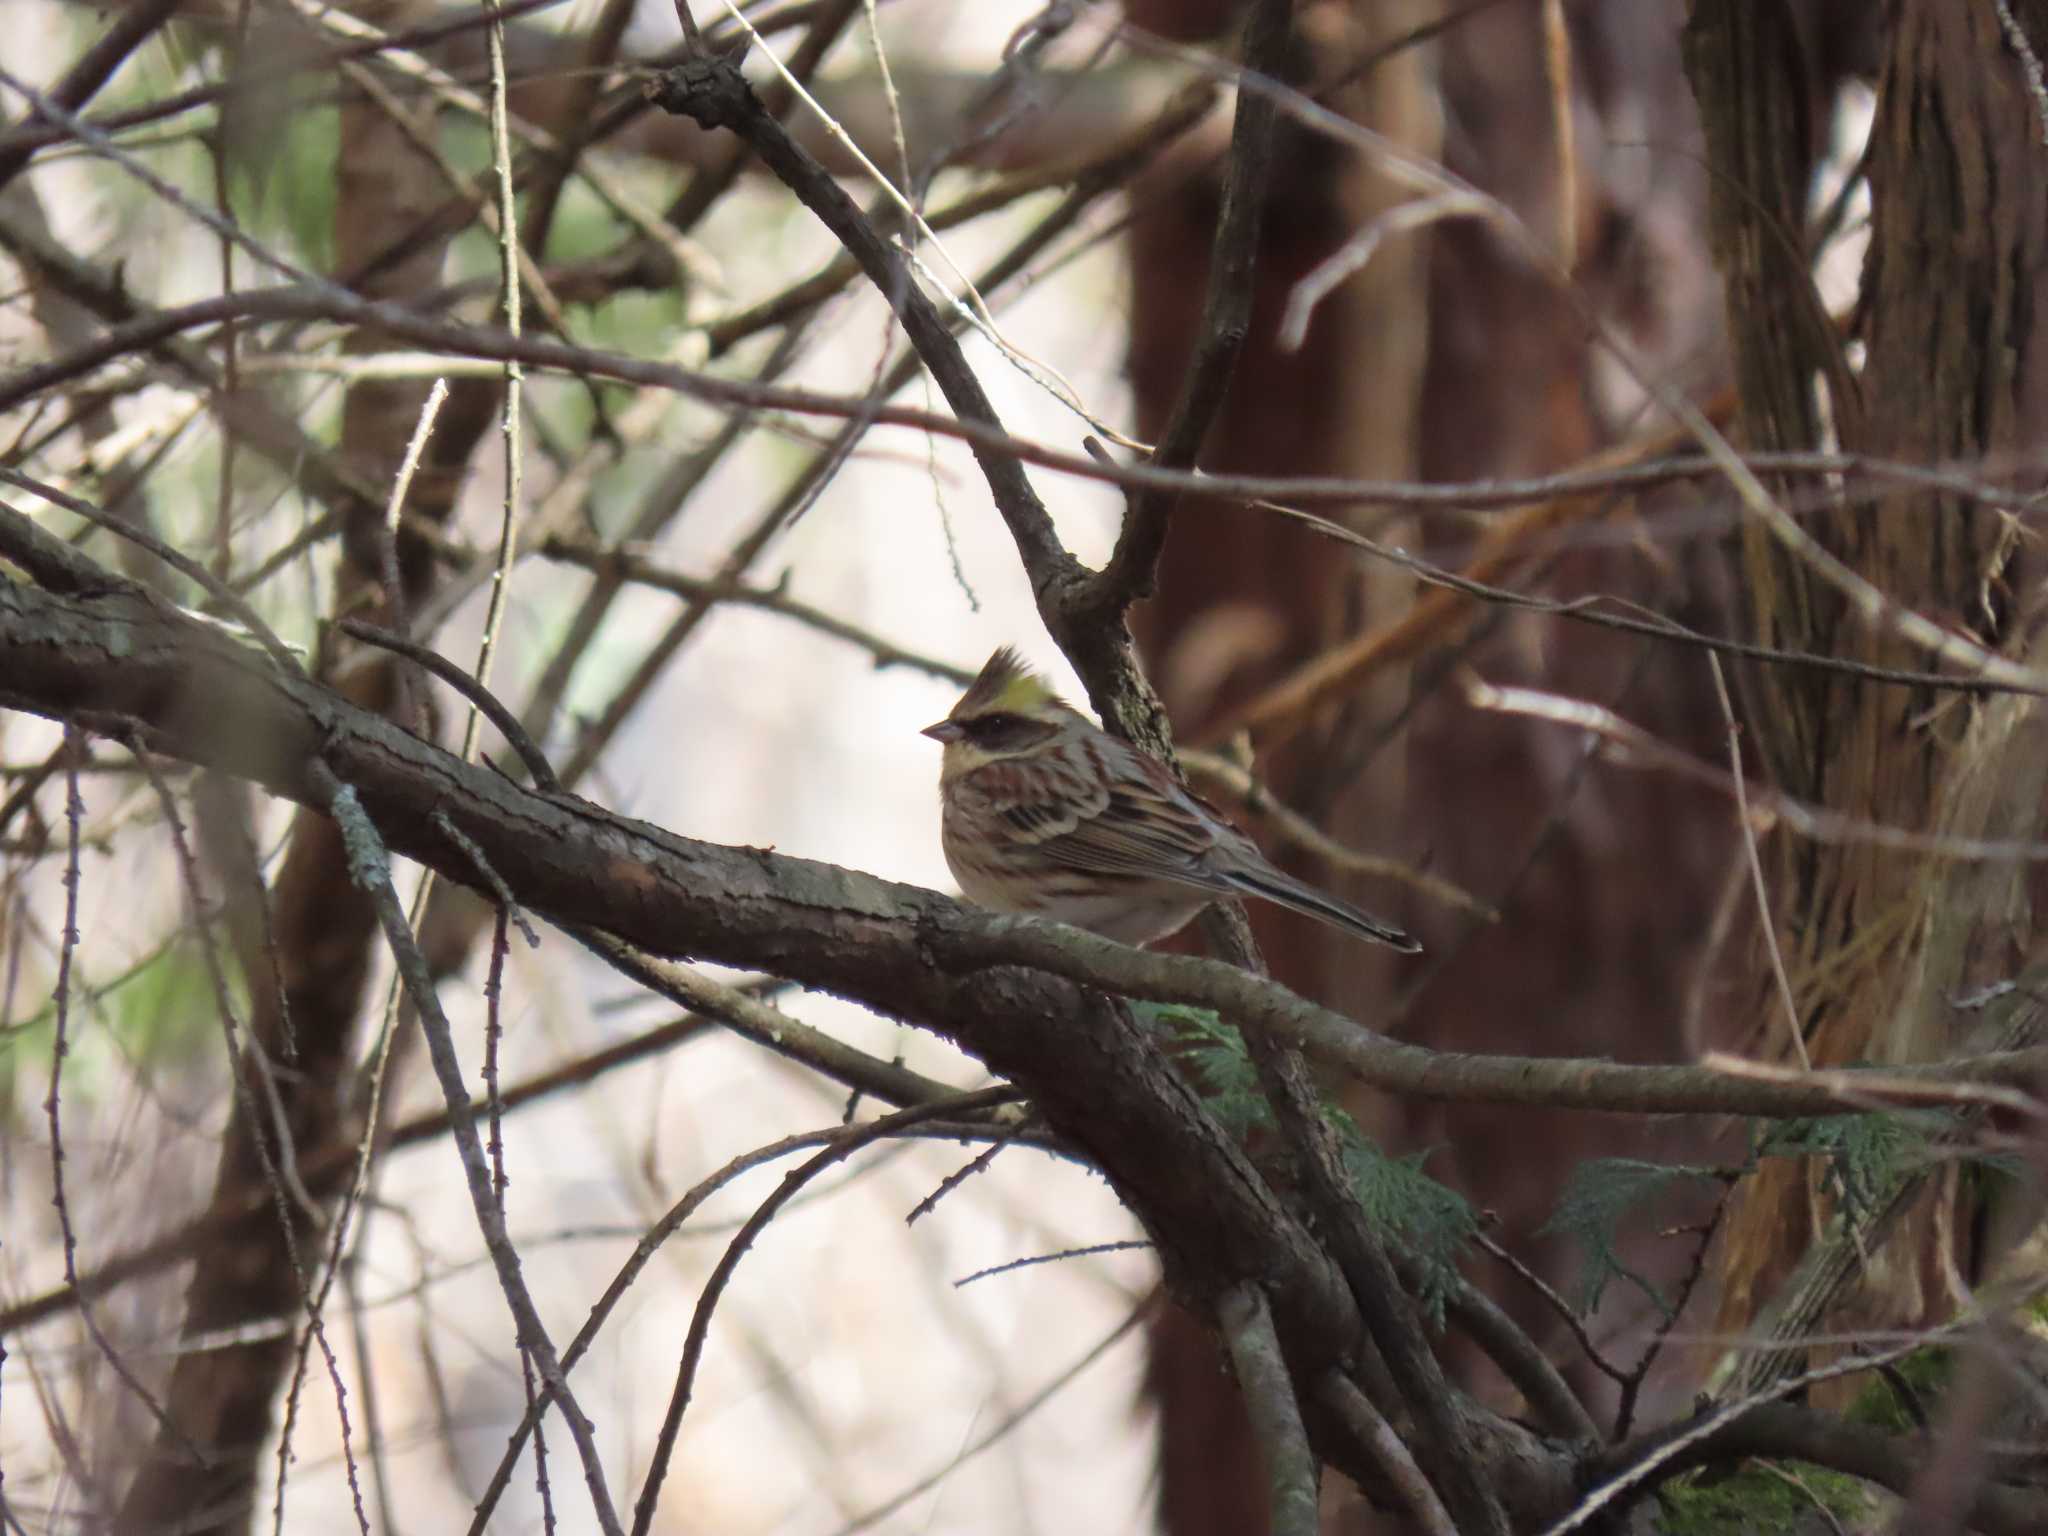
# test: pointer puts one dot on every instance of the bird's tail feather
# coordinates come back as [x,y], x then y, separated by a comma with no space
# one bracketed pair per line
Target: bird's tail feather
[1273,886]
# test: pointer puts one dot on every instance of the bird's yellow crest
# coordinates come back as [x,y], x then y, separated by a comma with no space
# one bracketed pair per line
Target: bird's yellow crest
[1006,686]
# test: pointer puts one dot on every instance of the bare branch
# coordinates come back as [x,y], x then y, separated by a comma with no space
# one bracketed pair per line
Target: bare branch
[370,867]
[847,1141]
[1355,1410]
[120,658]
[471,689]
[1292,1471]
[131,28]
[715,95]
[1226,316]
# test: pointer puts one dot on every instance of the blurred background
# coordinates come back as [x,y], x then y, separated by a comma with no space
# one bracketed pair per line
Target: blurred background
[851,1381]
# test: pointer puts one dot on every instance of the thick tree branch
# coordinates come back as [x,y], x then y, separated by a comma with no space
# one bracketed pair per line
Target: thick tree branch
[712,92]
[1431,1407]
[1551,1400]
[1022,995]
[120,657]
[127,658]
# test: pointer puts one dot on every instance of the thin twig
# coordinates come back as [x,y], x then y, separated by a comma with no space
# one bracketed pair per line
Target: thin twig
[106,147]
[471,689]
[979,1163]
[248,1057]
[1357,252]
[868,1519]
[1878,1090]
[394,507]
[1631,1389]
[366,1388]
[987,438]
[972,307]
[130,29]
[1628,745]
[1556,1303]
[60,1047]
[1740,781]
[1128,1245]
[369,867]
[802,488]
[162,1252]
[508,255]
[643,1252]
[1639,1465]
[844,1143]
[715,95]
[494,1106]
[754,1019]
[499,889]
[1114,166]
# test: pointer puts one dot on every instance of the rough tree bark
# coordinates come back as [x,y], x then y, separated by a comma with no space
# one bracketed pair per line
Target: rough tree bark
[1449,359]
[1880,945]
[1028,999]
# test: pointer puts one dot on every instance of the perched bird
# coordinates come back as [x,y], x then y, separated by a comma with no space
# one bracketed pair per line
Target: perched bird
[1044,813]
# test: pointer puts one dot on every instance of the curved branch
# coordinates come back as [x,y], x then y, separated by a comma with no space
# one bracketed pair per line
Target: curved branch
[713,93]
[1782,1431]
[849,1140]
[1027,997]
[117,658]
[1356,1412]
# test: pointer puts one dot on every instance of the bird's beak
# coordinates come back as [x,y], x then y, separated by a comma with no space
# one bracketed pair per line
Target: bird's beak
[945,731]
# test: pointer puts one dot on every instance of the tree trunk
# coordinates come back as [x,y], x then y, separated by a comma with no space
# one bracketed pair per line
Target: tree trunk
[1880,944]
[1447,358]
[309,984]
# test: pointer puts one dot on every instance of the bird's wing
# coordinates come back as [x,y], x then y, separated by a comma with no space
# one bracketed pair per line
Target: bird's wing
[1132,820]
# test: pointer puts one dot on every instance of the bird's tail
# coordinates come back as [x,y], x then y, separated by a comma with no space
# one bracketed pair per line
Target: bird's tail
[1271,885]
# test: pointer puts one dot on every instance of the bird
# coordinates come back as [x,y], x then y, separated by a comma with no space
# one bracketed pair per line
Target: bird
[1042,812]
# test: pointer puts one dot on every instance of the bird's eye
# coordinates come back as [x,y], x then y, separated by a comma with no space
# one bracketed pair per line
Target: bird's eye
[996,730]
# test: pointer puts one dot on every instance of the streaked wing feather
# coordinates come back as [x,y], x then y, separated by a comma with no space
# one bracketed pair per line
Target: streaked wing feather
[1141,831]
[1037,803]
